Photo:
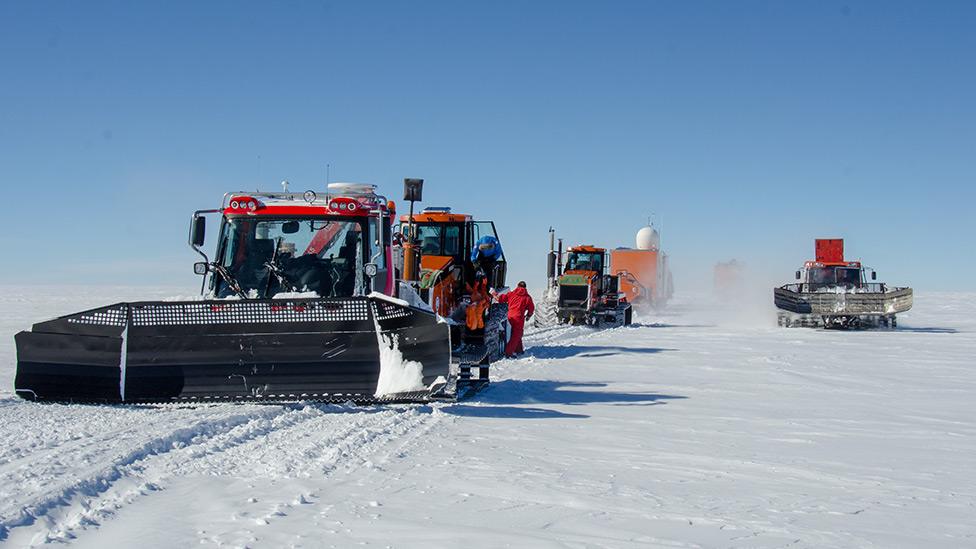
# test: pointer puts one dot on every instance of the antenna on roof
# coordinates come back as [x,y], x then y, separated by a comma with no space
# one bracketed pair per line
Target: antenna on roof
[328,168]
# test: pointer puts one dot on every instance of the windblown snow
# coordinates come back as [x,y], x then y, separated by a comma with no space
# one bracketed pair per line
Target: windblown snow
[697,427]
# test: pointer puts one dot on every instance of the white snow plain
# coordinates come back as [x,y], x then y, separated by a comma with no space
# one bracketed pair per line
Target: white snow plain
[695,428]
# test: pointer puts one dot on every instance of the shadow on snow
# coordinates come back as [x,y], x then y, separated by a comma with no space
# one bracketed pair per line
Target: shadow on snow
[669,325]
[508,412]
[568,351]
[930,330]
[534,391]
[502,398]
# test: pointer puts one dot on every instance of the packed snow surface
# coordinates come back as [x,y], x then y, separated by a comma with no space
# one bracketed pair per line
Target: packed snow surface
[698,427]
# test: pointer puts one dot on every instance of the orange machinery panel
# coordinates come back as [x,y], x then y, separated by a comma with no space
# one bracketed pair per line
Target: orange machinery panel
[830,250]
[642,264]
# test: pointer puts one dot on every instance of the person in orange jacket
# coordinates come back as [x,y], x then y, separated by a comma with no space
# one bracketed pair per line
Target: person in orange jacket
[520,309]
[475,313]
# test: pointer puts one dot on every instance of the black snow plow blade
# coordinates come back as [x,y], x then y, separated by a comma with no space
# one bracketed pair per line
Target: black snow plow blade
[247,350]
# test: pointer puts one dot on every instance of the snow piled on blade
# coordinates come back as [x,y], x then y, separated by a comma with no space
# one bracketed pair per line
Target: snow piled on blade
[396,374]
[295,295]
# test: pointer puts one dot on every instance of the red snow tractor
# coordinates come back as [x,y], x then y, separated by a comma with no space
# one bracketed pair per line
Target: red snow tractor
[299,302]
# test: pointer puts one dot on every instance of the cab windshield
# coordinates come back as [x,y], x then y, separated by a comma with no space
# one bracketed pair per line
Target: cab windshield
[438,239]
[268,256]
[830,276]
[585,261]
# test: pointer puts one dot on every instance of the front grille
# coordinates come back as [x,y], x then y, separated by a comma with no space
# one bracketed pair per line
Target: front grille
[573,296]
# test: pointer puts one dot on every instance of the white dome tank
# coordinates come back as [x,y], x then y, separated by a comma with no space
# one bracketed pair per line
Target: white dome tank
[648,239]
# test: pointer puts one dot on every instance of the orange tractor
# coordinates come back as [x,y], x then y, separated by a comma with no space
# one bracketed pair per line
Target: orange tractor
[584,292]
[727,279]
[456,288]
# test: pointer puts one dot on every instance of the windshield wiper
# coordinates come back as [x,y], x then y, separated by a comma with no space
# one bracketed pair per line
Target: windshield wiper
[232,282]
[275,269]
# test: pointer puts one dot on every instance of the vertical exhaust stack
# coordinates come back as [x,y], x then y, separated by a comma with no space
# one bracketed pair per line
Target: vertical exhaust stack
[551,259]
[413,190]
[559,259]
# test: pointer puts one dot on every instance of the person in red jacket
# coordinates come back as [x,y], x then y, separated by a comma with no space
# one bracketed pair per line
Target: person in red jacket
[520,309]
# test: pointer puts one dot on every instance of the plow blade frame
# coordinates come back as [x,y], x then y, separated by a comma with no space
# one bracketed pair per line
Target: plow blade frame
[249,350]
[891,302]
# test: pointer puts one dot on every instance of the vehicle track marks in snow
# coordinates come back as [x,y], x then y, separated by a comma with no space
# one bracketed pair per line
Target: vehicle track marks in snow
[268,441]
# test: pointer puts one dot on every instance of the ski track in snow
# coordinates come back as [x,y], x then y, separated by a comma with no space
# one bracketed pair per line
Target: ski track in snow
[691,429]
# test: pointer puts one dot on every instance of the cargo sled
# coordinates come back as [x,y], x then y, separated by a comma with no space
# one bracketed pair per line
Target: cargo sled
[297,305]
[835,293]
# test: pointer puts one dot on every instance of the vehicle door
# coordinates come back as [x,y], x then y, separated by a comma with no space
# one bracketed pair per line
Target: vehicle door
[481,229]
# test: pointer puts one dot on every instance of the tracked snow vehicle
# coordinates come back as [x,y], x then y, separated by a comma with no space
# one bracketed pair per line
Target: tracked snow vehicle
[584,292]
[835,293]
[300,302]
[442,242]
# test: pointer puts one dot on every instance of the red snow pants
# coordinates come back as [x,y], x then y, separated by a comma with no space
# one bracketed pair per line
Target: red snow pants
[515,342]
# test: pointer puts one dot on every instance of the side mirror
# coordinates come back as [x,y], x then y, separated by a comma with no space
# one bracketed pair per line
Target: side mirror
[200,268]
[198,230]
[370,269]
[874,275]
[798,275]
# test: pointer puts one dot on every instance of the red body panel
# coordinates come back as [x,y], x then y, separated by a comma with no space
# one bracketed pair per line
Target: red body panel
[830,250]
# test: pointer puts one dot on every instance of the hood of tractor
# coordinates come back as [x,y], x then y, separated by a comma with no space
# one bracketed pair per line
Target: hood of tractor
[576,278]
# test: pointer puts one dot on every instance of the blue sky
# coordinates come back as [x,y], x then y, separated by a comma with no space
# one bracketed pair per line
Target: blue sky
[750,128]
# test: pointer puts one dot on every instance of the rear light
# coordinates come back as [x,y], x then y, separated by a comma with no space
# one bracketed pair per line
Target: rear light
[252,205]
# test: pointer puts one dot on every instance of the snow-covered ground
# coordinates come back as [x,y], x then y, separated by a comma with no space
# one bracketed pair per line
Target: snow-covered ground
[698,427]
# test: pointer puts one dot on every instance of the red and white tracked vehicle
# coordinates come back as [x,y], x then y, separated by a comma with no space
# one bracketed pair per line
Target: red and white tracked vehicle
[299,302]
